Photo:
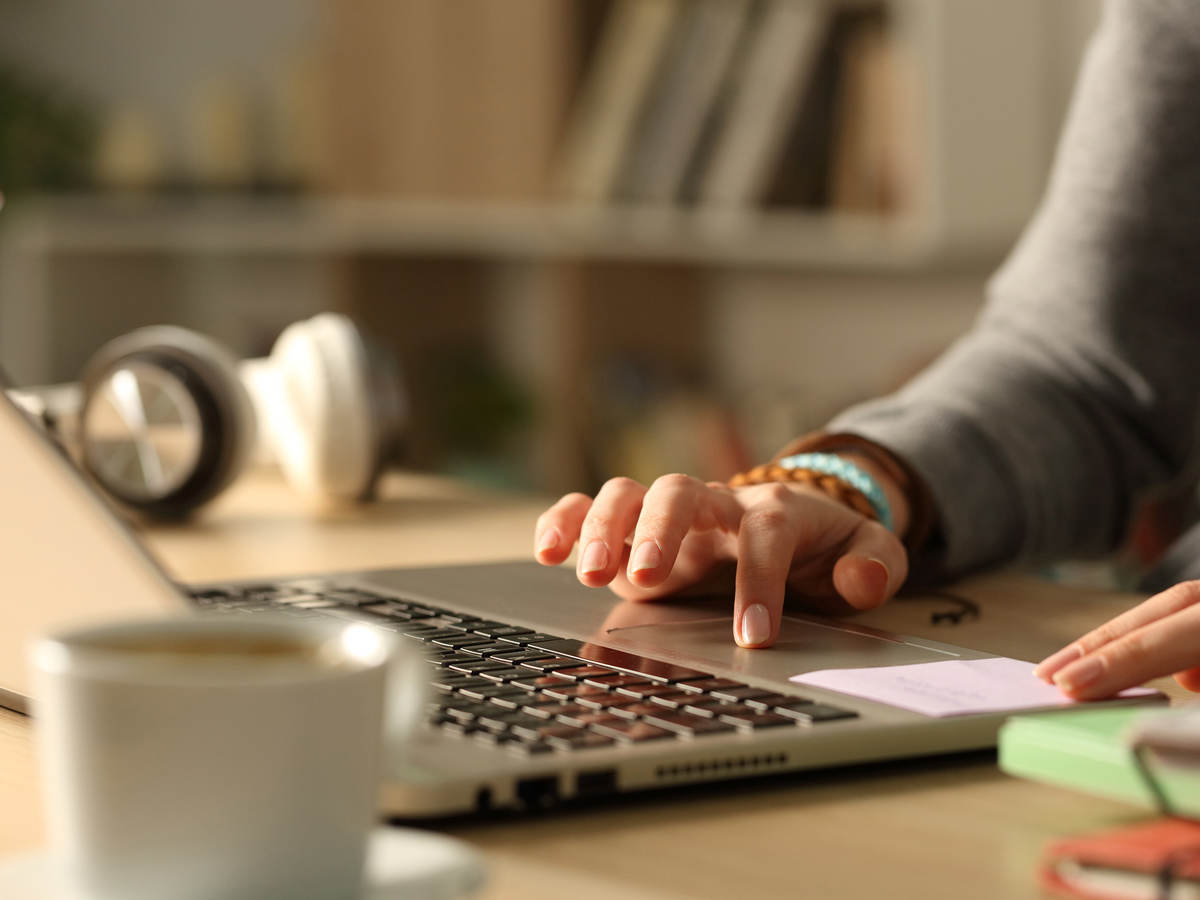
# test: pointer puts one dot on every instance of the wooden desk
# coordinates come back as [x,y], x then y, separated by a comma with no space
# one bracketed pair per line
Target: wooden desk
[932,828]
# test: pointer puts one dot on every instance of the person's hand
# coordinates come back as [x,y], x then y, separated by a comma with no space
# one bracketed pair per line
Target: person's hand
[681,535]
[1158,637]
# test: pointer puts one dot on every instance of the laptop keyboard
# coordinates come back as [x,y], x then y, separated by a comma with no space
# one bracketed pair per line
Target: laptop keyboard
[531,692]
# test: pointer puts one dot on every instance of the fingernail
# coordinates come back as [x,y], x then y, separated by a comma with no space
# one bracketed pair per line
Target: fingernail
[1056,661]
[595,558]
[1080,674]
[879,562]
[646,556]
[548,540]
[756,624]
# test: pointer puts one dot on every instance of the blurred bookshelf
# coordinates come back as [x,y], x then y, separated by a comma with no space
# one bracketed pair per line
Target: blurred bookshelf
[543,171]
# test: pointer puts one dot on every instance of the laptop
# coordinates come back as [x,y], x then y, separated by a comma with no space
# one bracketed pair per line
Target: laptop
[543,691]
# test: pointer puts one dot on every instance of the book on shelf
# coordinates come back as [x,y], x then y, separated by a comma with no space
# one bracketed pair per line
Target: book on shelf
[605,114]
[873,168]
[803,165]
[689,80]
[743,104]
[779,64]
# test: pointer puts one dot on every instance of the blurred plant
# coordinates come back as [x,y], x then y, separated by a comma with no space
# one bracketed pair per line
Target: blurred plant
[46,139]
[481,406]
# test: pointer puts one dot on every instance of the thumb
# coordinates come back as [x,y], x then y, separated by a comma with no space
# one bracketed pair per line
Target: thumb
[872,568]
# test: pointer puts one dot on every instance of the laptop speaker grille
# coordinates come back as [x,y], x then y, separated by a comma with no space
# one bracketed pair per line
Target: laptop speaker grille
[729,764]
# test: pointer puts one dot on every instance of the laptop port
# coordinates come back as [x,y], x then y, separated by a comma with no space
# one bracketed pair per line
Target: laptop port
[538,793]
[596,783]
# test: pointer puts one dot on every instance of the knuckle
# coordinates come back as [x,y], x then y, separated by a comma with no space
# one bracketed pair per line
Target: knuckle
[597,522]
[1133,649]
[622,484]
[675,481]
[766,518]
[778,492]
[654,523]
[1186,593]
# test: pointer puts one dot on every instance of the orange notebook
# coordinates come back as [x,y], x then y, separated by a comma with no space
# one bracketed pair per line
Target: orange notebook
[1148,861]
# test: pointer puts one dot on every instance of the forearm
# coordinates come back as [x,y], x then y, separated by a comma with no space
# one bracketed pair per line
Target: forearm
[1077,390]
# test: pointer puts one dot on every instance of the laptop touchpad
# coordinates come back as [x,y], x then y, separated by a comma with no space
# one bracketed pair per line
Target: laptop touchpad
[805,644]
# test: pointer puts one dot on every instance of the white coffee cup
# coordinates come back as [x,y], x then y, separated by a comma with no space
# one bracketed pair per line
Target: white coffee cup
[217,757]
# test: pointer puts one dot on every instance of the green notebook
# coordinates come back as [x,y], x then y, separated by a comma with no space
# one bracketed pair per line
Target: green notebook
[1086,749]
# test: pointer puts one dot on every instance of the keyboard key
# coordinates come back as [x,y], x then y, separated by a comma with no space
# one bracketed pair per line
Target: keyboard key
[612,682]
[579,673]
[453,681]
[517,657]
[479,666]
[539,705]
[486,626]
[587,717]
[509,701]
[769,702]
[485,649]
[454,656]
[554,710]
[706,708]
[636,732]
[568,691]
[468,713]
[708,685]
[509,631]
[551,664]
[606,700]
[536,682]
[529,638]
[620,659]
[812,713]
[462,640]
[646,691]
[544,730]
[752,721]
[686,725]
[738,694]
[635,710]
[673,700]
[430,634]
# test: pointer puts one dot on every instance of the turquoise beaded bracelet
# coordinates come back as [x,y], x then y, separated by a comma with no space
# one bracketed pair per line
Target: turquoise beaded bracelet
[841,469]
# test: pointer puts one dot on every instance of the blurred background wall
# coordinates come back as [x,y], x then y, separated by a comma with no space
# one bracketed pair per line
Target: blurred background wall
[602,235]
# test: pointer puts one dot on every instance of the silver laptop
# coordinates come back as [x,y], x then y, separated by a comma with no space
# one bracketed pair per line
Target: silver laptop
[543,691]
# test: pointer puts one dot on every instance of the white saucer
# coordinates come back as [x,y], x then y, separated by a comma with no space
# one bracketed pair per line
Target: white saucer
[402,864]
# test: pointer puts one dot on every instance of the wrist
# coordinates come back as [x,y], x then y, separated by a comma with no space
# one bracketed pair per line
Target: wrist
[901,511]
[914,513]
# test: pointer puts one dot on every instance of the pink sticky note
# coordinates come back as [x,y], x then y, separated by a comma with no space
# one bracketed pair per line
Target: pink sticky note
[951,687]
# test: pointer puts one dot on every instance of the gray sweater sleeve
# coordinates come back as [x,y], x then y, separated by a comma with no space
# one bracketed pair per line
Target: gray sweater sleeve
[1078,388]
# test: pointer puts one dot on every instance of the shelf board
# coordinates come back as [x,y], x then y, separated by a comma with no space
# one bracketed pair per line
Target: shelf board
[340,226]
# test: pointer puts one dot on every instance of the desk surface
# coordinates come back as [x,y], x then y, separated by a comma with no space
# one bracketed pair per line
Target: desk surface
[920,829]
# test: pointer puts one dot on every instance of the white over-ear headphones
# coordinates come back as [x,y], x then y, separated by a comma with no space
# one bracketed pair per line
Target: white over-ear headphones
[164,418]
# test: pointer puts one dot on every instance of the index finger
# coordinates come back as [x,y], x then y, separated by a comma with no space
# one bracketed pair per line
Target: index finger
[1169,602]
[1163,647]
[766,544]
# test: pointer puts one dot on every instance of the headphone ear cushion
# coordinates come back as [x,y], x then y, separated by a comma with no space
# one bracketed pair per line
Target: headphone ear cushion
[208,373]
[321,424]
